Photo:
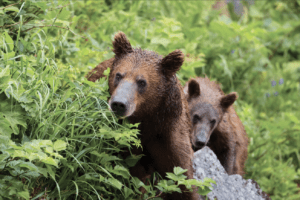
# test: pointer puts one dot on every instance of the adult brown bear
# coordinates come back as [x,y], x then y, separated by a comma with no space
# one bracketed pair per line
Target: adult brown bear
[145,90]
[216,124]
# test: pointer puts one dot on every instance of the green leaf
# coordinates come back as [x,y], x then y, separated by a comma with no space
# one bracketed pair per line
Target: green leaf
[105,157]
[209,180]
[179,170]
[137,182]
[43,171]
[4,156]
[64,14]
[115,183]
[5,129]
[24,194]
[106,72]
[9,41]
[50,161]
[122,171]
[59,145]
[133,159]
[13,114]
[4,78]
[51,172]
[29,166]
[12,8]
[204,191]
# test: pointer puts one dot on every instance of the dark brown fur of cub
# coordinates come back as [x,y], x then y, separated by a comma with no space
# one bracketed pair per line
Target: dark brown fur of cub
[216,124]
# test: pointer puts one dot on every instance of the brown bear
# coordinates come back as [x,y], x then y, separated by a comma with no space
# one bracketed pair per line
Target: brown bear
[216,124]
[144,89]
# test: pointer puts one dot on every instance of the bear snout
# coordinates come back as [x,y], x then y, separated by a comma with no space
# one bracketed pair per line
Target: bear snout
[201,139]
[122,101]
[119,107]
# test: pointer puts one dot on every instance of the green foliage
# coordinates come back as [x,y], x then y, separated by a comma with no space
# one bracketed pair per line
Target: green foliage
[58,138]
[47,47]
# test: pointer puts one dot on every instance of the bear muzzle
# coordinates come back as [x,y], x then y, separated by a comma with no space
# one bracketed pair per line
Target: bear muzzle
[122,101]
[201,138]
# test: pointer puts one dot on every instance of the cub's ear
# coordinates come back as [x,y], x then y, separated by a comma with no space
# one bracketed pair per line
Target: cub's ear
[228,100]
[121,45]
[194,88]
[172,63]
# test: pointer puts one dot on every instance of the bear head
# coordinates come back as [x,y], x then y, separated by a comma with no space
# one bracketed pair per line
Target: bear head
[139,79]
[207,105]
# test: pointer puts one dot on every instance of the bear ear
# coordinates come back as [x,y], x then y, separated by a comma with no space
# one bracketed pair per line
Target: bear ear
[194,88]
[172,63]
[121,44]
[228,100]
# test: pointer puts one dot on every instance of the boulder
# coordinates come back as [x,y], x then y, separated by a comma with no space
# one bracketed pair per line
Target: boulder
[229,187]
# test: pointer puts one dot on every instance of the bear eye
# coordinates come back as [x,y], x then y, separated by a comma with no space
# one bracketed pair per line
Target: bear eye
[213,122]
[118,76]
[196,118]
[141,83]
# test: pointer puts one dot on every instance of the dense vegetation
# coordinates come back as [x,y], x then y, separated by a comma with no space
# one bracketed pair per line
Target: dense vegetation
[57,135]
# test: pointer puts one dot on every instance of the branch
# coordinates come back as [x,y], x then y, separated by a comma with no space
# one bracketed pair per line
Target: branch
[9,25]
[11,5]
[155,196]
[29,19]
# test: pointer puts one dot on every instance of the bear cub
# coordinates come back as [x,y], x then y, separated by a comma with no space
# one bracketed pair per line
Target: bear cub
[215,123]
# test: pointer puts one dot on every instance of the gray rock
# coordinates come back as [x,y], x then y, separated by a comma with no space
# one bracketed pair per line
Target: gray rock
[229,187]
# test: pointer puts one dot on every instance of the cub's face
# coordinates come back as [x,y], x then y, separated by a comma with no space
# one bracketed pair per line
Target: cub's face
[205,119]
[206,111]
[138,78]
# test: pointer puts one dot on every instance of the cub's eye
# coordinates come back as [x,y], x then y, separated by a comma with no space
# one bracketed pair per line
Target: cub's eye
[196,118]
[118,76]
[213,122]
[141,83]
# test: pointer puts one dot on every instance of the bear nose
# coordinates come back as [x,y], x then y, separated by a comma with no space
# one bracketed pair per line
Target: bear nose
[199,144]
[200,140]
[119,107]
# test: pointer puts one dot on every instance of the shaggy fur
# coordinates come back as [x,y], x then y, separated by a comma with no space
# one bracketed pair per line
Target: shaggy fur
[216,124]
[145,89]
[97,72]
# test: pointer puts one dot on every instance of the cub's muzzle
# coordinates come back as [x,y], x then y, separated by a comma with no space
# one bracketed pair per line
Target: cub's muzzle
[201,138]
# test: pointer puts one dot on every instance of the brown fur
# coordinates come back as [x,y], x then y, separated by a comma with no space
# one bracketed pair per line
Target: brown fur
[145,84]
[227,137]
[97,72]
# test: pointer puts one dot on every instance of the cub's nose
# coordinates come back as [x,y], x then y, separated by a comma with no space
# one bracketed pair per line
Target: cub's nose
[199,145]
[200,141]
[119,107]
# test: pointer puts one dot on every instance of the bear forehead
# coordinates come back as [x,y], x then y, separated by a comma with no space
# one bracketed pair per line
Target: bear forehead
[141,58]
[204,107]
[205,98]
[137,68]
